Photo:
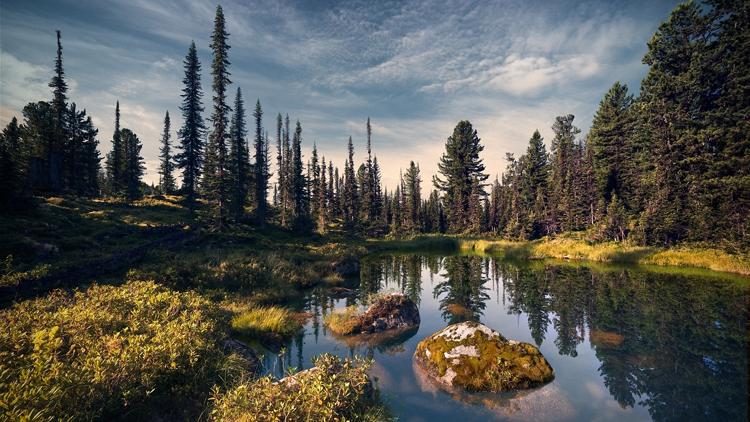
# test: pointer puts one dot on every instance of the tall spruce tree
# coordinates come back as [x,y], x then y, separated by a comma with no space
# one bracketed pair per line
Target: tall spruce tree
[463,176]
[115,159]
[262,170]
[562,216]
[57,145]
[351,200]
[237,163]
[215,179]
[299,183]
[412,190]
[190,159]
[166,167]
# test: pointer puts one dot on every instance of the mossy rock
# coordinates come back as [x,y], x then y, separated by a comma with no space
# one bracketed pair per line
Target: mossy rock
[473,357]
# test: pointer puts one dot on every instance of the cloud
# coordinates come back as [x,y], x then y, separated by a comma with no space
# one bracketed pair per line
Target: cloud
[22,82]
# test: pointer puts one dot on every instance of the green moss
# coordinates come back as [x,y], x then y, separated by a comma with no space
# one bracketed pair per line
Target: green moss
[500,365]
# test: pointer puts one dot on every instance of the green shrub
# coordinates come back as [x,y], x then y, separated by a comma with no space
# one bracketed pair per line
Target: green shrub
[107,352]
[335,390]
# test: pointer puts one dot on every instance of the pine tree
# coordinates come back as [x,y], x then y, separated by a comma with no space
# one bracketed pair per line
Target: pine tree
[216,183]
[237,165]
[313,178]
[322,197]
[166,179]
[463,176]
[190,159]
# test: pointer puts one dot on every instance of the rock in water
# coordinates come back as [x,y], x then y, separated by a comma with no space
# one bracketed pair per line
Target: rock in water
[473,357]
[389,312]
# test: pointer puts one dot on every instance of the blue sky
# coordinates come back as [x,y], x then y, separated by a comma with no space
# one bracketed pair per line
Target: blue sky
[415,67]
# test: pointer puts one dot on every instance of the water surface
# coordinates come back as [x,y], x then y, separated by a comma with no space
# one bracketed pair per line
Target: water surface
[625,343]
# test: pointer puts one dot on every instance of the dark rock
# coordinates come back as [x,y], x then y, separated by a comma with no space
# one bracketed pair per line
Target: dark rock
[235,346]
[394,311]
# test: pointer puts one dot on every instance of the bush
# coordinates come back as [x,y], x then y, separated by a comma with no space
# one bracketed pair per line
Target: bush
[107,352]
[335,389]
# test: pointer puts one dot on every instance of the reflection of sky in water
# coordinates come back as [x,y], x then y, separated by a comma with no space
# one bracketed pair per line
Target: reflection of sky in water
[579,391]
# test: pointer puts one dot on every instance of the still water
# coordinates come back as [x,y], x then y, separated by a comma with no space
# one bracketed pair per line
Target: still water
[625,343]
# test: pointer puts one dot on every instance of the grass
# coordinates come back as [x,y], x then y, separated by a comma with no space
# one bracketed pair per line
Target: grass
[262,322]
[344,321]
[573,247]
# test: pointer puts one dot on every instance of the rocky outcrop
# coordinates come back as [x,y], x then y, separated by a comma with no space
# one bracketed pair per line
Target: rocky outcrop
[473,357]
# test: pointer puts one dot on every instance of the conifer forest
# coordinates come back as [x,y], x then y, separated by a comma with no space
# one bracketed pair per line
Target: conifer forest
[237,261]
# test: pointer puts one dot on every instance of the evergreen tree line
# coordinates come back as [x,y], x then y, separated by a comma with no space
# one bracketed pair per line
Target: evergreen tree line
[670,165]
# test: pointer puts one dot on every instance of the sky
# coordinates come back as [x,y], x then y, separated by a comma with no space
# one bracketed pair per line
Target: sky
[416,68]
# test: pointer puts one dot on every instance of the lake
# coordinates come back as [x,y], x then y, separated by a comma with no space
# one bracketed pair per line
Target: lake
[626,343]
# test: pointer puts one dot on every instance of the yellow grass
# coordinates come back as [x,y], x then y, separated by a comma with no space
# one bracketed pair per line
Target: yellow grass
[266,320]
[343,321]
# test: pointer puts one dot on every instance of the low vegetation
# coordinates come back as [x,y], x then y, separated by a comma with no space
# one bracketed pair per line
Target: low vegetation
[108,352]
[335,389]
[345,321]
[576,248]
[266,322]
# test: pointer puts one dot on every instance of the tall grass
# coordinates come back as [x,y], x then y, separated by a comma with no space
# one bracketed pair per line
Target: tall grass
[264,321]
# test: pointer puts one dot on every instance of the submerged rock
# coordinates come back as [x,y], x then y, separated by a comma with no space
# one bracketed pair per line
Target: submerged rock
[473,357]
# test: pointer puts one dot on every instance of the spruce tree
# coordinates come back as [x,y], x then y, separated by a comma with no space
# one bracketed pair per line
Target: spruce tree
[237,165]
[350,197]
[299,183]
[216,178]
[166,179]
[133,167]
[190,159]
[562,174]
[12,165]
[59,104]
[262,170]
[115,159]
[412,190]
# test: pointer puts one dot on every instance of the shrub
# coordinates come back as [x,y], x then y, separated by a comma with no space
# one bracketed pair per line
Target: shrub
[335,389]
[107,352]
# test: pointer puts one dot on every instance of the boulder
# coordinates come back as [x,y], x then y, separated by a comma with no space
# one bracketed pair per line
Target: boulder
[393,311]
[473,357]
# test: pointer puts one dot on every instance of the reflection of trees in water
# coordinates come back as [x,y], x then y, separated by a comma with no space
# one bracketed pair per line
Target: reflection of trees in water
[401,273]
[675,344]
[462,289]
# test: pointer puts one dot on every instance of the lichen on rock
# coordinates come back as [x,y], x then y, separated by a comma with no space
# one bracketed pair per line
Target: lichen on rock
[473,357]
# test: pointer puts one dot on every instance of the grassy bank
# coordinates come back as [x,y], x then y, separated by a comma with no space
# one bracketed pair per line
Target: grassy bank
[573,248]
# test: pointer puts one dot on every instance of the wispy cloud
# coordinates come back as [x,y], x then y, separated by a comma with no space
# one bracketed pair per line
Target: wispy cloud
[415,67]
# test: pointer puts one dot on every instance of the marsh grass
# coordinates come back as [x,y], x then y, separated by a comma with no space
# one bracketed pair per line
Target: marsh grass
[266,321]
[343,322]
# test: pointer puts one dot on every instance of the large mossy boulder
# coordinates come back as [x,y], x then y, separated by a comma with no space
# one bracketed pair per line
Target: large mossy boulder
[473,357]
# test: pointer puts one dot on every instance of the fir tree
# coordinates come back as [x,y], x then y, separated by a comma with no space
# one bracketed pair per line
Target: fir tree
[133,164]
[262,171]
[115,159]
[190,159]
[59,109]
[166,179]
[350,197]
[12,162]
[237,166]
[412,191]
[216,178]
